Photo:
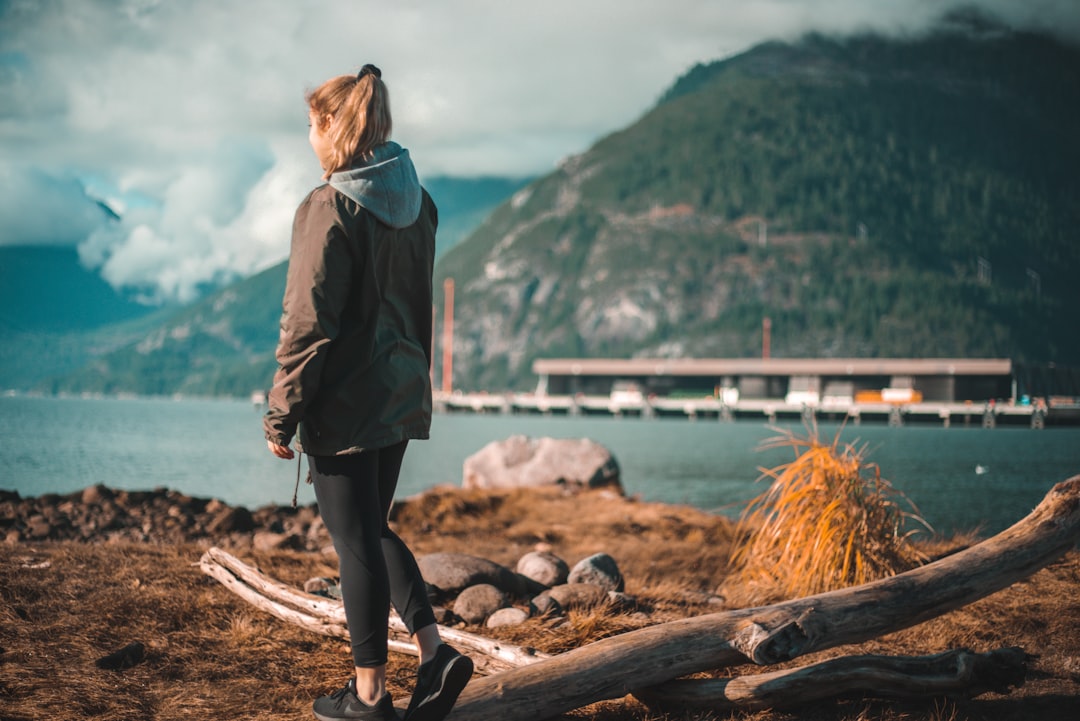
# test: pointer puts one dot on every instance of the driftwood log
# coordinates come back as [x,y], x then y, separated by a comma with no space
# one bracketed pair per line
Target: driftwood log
[638,660]
[957,672]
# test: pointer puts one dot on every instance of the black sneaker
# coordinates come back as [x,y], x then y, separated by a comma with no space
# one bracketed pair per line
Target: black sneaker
[439,682]
[345,704]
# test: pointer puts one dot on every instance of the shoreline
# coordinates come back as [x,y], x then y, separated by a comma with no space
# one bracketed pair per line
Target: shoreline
[100,514]
[209,653]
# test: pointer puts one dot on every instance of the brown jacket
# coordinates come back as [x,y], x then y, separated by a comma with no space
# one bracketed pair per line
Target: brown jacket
[355,348]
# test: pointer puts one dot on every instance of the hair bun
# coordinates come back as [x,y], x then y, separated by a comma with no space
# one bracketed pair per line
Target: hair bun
[369,69]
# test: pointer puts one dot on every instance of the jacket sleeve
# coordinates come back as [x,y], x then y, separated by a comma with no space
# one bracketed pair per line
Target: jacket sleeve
[316,289]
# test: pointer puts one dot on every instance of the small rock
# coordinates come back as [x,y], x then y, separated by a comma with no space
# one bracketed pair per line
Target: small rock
[545,605]
[600,569]
[476,603]
[450,573]
[545,568]
[701,597]
[38,527]
[572,596]
[232,520]
[317,535]
[507,617]
[621,601]
[93,495]
[320,586]
[126,657]
[445,617]
[270,541]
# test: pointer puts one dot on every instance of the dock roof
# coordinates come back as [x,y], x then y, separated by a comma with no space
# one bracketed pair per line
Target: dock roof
[772,366]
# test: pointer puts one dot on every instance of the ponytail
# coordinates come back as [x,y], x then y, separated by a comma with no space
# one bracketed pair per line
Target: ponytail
[360,107]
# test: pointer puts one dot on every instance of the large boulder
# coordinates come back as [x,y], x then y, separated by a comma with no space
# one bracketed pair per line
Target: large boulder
[521,461]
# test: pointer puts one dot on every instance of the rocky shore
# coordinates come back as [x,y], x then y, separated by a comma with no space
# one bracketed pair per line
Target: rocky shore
[98,514]
[529,576]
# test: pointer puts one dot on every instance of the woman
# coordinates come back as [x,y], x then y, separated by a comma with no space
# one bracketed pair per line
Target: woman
[354,357]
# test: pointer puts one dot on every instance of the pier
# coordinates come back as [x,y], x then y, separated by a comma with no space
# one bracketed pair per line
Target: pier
[896,391]
[967,414]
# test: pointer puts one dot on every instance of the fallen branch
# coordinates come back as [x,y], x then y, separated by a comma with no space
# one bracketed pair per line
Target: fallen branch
[959,672]
[613,667]
[327,615]
[234,580]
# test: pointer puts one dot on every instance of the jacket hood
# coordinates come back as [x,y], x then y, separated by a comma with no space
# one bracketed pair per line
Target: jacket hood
[385,184]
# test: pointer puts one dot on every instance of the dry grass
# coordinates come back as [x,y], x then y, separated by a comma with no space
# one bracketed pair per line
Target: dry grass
[827,521]
[210,656]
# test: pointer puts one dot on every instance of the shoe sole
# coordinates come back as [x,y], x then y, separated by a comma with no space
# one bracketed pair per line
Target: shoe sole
[324,717]
[455,677]
[321,717]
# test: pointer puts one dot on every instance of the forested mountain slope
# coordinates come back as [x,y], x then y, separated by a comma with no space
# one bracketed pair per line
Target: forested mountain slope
[872,196]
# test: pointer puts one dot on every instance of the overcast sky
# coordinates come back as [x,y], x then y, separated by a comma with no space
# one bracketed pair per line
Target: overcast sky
[187,116]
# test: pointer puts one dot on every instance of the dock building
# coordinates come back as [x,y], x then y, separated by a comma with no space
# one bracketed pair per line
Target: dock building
[897,390]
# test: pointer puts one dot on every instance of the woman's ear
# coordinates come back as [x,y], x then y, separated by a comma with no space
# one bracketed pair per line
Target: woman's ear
[325,121]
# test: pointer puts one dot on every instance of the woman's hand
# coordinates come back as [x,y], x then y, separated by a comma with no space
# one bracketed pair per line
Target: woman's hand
[280,451]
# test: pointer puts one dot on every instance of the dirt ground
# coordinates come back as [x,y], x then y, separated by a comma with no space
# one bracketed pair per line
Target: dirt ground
[209,655]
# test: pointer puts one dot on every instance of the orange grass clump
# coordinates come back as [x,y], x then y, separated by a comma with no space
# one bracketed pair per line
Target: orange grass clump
[828,521]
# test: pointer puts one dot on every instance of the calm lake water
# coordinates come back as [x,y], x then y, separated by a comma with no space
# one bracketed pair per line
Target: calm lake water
[959,477]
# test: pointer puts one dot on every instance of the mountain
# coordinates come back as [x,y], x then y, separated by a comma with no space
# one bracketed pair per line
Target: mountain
[222,344]
[871,196]
[55,314]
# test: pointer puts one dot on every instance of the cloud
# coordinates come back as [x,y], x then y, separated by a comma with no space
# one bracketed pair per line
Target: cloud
[189,116]
[38,207]
[224,216]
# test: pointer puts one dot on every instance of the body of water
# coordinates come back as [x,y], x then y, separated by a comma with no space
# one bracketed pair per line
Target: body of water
[960,478]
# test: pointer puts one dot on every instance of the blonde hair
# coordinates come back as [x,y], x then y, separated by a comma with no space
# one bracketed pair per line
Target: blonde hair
[359,107]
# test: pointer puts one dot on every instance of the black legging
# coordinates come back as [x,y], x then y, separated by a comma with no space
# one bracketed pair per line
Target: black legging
[354,493]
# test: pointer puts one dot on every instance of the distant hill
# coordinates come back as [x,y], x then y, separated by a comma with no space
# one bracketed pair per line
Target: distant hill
[871,196]
[46,289]
[220,345]
[55,314]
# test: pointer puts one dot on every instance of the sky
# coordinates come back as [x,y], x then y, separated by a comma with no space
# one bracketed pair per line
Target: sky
[187,117]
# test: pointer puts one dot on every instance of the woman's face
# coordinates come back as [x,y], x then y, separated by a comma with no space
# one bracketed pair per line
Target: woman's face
[319,137]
